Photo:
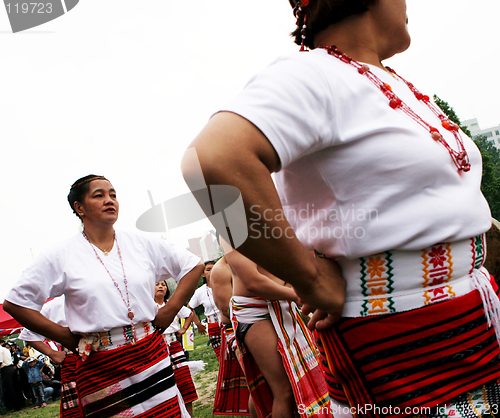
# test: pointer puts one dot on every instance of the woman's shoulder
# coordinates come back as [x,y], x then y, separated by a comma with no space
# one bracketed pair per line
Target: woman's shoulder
[148,238]
[313,77]
[64,247]
[304,65]
[137,239]
[156,246]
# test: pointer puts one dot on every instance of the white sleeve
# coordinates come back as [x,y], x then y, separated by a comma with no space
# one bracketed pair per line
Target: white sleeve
[195,301]
[291,104]
[184,312]
[53,310]
[28,335]
[39,282]
[173,261]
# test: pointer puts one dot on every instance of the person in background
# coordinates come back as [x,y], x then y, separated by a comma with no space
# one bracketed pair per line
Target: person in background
[275,342]
[54,310]
[32,367]
[232,394]
[172,334]
[203,296]
[48,380]
[9,378]
[108,279]
[27,393]
[18,388]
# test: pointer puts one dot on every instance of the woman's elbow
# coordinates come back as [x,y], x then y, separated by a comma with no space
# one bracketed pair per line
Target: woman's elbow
[201,167]
[9,307]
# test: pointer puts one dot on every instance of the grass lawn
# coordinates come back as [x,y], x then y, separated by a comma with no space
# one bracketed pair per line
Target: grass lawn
[205,381]
[50,411]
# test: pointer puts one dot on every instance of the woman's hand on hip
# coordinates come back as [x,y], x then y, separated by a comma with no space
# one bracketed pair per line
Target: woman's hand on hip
[325,296]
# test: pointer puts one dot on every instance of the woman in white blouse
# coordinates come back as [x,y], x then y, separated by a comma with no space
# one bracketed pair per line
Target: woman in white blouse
[108,278]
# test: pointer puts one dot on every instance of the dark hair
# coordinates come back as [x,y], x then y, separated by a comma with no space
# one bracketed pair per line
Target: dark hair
[167,293]
[323,13]
[79,189]
[203,272]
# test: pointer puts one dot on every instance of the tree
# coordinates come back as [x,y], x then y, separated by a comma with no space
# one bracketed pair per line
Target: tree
[448,111]
[490,182]
[487,146]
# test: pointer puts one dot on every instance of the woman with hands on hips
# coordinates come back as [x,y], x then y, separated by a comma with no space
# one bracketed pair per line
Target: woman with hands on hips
[108,278]
[385,189]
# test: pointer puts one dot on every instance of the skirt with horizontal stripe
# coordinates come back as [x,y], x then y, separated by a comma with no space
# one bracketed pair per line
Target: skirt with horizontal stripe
[298,351]
[70,406]
[214,335]
[182,373]
[231,397]
[483,401]
[134,381]
[414,359]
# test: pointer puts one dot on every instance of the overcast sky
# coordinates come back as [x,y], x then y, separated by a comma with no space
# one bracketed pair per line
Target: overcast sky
[121,87]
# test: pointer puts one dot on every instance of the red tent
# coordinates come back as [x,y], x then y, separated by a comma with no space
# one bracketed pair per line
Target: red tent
[8,325]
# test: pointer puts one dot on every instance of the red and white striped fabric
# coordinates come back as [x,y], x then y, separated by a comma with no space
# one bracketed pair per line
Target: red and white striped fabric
[182,373]
[134,380]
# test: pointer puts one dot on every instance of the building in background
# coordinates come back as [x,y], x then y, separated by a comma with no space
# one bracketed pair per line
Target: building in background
[194,246]
[491,134]
[205,247]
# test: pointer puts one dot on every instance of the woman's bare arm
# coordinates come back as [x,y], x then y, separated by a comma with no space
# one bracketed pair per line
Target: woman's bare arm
[36,322]
[57,357]
[248,167]
[182,293]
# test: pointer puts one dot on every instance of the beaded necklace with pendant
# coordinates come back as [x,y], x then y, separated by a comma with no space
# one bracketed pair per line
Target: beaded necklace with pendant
[460,157]
[126,302]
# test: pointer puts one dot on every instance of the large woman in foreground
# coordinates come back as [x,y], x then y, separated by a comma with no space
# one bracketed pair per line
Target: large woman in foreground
[108,278]
[372,175]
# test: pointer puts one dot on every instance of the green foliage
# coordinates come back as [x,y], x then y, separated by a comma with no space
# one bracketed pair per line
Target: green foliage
[51,411]
[448,111]
[205,353]
[493,152]
[490,182]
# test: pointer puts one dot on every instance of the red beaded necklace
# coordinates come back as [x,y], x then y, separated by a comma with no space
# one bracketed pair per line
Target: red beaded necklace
[460,158]
[126,302]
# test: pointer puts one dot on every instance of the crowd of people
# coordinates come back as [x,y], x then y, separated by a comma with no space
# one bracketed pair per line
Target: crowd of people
[372,300]
[27,377]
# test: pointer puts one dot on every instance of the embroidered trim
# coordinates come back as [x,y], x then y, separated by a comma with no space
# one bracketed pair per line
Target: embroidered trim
[377,283]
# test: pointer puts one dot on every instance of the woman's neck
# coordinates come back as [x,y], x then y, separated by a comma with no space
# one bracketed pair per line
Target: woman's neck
[355,36]
[100,237]
[159,300]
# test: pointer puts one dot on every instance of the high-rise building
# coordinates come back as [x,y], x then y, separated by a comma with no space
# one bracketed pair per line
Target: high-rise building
[491,134]
[194,246]
[205,247]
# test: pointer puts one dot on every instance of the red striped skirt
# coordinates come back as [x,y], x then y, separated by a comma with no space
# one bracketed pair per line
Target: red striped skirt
[134,381]
[214,335]
[183,377]
[414,359]
[70,406]
[231,397]
[261,392]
